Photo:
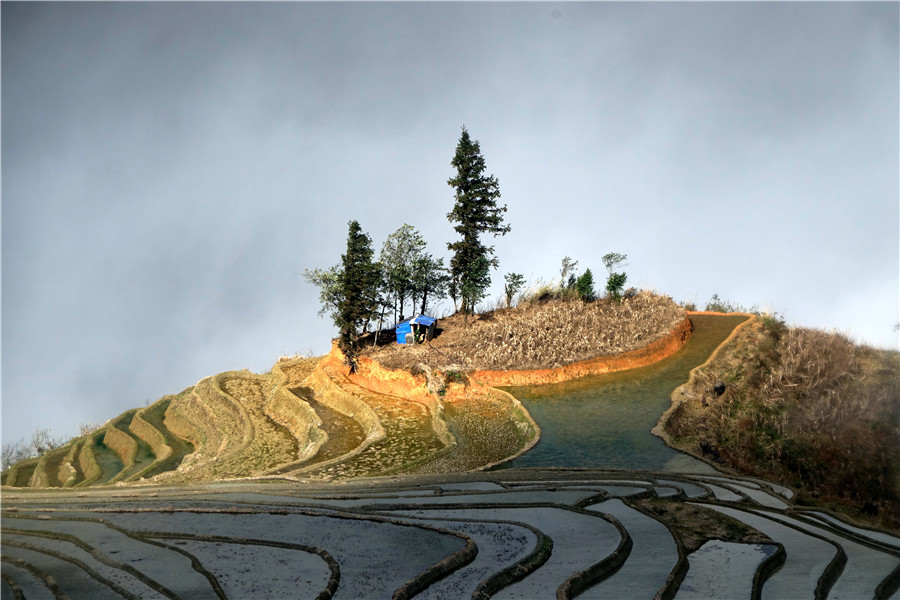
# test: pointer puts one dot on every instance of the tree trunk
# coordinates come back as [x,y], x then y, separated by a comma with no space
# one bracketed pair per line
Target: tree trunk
[380,323]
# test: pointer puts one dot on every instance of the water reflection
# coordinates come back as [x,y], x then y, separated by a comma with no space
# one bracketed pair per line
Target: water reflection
[604,421]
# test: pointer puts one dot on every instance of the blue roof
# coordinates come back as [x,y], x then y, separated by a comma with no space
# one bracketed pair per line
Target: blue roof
[419,320]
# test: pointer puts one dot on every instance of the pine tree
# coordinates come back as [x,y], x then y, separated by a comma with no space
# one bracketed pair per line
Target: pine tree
[585,286]
[474,213]
[359,282]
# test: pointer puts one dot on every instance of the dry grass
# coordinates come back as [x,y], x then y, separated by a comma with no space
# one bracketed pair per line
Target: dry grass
[695,525]
[541,334]
[805,407]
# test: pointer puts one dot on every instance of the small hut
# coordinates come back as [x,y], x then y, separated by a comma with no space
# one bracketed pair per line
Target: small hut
[416,330]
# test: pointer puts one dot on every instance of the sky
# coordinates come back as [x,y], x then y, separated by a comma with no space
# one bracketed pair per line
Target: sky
[170,169]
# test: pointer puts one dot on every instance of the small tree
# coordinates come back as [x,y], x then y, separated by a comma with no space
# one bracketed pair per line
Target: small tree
[13,452]
[41,442]
[568,273]
[616,281]
[585,286]
[615,284]
[514,283]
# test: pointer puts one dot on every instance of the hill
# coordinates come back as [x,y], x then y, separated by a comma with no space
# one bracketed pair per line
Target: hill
[307,419]
[806,408]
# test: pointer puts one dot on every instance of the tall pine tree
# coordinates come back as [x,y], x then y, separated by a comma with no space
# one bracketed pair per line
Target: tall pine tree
[475,213]
[359,282]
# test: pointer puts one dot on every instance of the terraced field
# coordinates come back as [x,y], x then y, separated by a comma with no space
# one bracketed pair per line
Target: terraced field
[512,534]
[303,482]
[305,419]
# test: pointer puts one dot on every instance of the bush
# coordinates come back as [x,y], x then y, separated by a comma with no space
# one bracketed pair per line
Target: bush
[456,377]
[584,285]
[615,283]
[716,304]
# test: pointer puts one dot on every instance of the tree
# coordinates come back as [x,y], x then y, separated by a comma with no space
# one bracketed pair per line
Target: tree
[430,279]
[42,441]
[474,287]
[585,286]
[616,281]
[514,283]
[568,273]
[474,213]
[330,291]
[400,255]
[360,279]
[349,292]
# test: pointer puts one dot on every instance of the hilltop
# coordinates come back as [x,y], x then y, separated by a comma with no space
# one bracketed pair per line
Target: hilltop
[540,333]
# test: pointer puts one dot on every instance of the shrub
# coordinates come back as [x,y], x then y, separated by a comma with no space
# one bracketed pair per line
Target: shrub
[716,304]
[585,286]
[615,283]
[456,377]
[514,283]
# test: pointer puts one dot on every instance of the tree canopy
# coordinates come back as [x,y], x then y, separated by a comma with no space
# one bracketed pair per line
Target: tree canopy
[401,252]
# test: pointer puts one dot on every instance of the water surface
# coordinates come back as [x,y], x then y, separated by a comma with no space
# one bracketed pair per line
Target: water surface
[604,421]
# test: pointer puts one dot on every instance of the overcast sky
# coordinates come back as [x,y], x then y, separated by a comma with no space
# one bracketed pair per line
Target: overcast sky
[169,169]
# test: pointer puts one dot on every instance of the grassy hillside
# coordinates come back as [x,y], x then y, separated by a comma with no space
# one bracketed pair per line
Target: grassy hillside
[539,333]
[803,407]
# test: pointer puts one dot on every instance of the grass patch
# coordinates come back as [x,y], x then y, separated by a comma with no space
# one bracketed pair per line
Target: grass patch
[696,525]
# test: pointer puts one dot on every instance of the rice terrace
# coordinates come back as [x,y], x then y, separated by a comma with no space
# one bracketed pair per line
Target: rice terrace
[559,444]
[312,482]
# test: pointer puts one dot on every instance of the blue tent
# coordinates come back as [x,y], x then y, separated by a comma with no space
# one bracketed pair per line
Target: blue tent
[420,327]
